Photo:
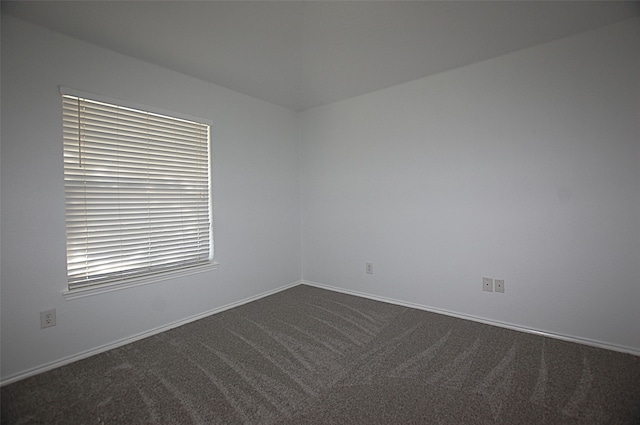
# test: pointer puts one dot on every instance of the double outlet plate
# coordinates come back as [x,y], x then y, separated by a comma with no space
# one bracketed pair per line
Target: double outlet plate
[47,318]
[369,268]
[488,284]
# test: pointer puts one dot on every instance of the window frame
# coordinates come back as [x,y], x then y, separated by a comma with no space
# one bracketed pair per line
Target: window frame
[71,292]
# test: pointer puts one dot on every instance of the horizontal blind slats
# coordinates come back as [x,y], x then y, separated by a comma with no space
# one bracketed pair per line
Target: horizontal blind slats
[70,103]
[137,192]
[134,148]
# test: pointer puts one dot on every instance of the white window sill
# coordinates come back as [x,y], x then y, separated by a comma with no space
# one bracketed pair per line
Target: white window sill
[139,281]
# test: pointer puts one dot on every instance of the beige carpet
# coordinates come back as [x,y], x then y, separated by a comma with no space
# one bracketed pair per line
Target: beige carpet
[310,356]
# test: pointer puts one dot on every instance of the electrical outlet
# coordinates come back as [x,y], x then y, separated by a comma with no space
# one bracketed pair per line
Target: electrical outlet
[487,284]
[369,268]
[499,285]
[47,318]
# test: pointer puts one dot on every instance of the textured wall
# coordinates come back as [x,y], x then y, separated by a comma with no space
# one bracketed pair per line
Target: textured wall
[525,167]
[256,197]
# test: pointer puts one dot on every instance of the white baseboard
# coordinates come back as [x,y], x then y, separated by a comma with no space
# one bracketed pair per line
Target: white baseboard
[569,338]
[115,344]
[124,341]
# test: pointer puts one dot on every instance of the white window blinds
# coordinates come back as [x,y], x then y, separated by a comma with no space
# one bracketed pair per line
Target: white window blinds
[137,192]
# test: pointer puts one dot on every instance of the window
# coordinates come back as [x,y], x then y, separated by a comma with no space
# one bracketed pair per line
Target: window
[138,192]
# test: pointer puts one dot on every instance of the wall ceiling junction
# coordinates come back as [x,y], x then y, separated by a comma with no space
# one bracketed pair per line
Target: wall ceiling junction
[301,54]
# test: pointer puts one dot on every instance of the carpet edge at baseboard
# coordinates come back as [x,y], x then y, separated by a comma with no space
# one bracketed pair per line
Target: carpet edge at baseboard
[118,343]
[515,327]
[127,340]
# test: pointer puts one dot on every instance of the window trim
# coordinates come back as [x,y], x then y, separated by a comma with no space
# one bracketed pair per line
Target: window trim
[87,291]
[127,104]
[144,279]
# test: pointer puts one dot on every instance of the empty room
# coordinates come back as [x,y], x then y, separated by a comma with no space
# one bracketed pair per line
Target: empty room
[283,212]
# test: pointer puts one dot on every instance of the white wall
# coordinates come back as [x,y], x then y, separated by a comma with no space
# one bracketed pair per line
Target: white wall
[256,198]
[524,167]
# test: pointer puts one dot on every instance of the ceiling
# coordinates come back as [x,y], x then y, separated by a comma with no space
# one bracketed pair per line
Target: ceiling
[301,54]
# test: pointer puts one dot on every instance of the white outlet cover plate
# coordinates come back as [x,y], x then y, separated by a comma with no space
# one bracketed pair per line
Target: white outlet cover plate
[499,285]
[47,318]
[487,284]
